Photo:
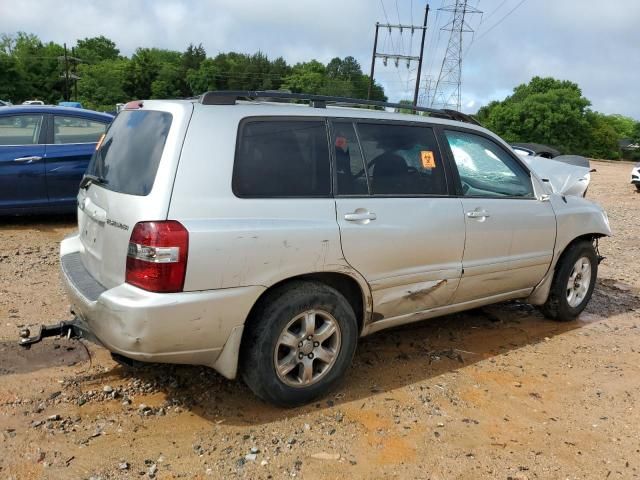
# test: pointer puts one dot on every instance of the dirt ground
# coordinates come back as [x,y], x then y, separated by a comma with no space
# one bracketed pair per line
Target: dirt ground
[498,392]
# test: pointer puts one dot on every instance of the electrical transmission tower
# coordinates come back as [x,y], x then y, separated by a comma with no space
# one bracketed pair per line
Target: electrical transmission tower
[426,95]
[447,89]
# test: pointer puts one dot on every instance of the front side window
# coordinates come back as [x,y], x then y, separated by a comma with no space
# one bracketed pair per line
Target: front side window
[402,159]
[77,130]
[282,158]
[20,129]
[485,169]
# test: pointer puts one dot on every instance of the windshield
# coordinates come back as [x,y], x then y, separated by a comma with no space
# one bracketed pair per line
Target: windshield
[128,157]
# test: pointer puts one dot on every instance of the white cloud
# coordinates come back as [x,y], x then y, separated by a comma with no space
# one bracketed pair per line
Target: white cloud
[594,47]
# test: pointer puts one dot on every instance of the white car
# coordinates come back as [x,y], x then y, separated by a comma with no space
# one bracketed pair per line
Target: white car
[635,176]
[263,238]
[33,102]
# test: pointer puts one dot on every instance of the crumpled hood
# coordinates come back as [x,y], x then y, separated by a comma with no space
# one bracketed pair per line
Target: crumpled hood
[564,178]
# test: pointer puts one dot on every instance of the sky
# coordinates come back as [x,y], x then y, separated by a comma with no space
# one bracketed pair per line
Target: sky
[594,44]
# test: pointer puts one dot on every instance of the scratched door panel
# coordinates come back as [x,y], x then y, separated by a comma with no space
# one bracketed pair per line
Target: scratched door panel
[411,254]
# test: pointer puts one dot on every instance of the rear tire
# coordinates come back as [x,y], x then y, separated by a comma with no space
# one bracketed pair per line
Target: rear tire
[299,343]
[638,187]
[573,283]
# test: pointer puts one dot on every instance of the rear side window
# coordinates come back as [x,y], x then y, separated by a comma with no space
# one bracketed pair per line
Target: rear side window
[128,157]
[282,158]
[20,129]
[402,160]
[76,130]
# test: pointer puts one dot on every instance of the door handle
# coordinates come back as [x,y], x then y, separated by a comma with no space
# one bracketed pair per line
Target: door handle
[31,159]
[359,216]
[478,214]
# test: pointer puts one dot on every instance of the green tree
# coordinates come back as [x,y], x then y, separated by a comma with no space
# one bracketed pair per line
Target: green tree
[307,77]
[96,49]
[169,83]
[31,69]
[635,134]
[602,141]
[10,78]
[545,110]
[344,69]
[101,84]
[193,57]
[405,110]
[341,77]
[555,112]
[38,67]
[205,78]
[146,65]
[623,126]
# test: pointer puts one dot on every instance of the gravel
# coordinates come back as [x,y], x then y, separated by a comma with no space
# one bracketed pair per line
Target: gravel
[494,393]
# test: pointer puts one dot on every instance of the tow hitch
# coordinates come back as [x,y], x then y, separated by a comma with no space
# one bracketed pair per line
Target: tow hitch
[68,329]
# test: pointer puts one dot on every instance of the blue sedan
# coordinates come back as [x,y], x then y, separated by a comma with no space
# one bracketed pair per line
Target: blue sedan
[44,151]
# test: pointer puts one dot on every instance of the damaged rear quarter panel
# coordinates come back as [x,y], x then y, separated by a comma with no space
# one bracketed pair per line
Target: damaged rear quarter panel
[245,251]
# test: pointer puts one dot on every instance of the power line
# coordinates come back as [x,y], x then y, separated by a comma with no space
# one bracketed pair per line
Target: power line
[400,22]
[492,13]
[435,36]
[474,38]
[384,10]
[501,20]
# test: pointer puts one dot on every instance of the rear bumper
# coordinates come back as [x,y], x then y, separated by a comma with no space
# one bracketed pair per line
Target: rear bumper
[188,327]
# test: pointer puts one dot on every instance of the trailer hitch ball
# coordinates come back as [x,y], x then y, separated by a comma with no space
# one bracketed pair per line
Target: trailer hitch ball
[67,329]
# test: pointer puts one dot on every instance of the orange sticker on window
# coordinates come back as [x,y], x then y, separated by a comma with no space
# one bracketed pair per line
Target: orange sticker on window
[428,159]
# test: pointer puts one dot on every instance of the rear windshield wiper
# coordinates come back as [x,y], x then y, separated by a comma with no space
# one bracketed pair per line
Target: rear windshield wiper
[88,179]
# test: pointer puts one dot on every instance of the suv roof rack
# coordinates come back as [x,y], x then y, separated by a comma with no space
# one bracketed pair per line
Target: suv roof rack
[229,97]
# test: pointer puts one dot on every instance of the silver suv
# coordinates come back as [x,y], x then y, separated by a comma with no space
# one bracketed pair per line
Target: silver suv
[262,238]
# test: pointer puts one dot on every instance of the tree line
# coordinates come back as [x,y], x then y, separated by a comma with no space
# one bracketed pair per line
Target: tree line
[545,110]
[555,112]
[32,69]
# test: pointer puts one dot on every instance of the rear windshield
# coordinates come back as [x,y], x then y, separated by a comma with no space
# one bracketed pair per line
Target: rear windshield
[128,157]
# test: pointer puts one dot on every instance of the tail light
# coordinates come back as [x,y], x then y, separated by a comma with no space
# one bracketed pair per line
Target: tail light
[157,256]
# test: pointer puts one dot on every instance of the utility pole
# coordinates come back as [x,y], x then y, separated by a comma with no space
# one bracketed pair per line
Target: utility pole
[373,62]
[424,31]
[447,93]
[67,75]
[75,76]
[396,57]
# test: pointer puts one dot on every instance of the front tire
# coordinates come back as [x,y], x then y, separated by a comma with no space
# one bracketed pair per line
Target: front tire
[299,343]
[573,283]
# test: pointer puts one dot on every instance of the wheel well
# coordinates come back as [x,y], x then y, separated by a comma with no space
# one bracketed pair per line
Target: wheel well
[345,284]
[589,237]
